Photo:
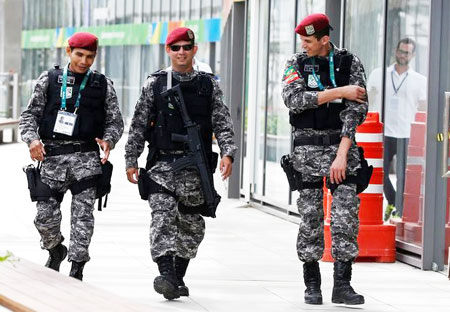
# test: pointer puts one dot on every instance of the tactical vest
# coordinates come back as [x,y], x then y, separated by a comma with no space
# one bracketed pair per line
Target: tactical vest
[197,95]
[91,113]
[326,116]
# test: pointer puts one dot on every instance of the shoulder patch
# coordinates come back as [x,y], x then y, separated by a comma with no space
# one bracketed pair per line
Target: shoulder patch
[290,75]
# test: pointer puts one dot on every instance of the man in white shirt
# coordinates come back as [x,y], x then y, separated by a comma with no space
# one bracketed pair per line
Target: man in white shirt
[405,94]
[201,66]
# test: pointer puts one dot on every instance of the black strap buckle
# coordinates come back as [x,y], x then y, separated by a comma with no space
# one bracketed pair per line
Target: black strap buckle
[77,147]
[326,140]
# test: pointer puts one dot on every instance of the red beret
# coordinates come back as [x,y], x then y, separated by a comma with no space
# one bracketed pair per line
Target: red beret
[180,34]
[84,40]
[312,24]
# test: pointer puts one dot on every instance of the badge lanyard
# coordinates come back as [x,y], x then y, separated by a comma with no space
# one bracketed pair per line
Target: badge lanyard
[64,87]
[400,85]
[169,78]
[332,77]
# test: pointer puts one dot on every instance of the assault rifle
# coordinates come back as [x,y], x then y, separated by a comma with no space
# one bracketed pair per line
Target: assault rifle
[196,156]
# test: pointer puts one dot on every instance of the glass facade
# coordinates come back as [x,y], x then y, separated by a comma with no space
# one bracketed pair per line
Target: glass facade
[403,106]
[127,65]
[272,131]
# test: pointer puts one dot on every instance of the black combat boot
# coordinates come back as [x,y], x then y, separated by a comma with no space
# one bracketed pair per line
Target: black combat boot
[181,265]
[311,276]
[57,255]
[77,270]
[166,284]
[342,291]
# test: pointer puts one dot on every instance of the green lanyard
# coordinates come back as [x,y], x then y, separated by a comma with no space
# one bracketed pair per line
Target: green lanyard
[64,88]
[332,77]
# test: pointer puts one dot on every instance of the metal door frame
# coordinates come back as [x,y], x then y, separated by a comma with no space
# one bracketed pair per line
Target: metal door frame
[433,234]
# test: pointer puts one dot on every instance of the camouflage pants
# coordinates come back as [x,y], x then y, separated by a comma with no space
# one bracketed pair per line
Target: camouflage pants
[48,221]
[344,222]
[173,233]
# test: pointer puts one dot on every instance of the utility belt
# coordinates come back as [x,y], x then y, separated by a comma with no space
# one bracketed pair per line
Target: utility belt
[294,177]
[70,149]
[321,140]
[39,191]
[147,186]
[169,157]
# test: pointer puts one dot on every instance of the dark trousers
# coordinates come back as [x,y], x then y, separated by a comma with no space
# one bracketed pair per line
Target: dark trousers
[395,146]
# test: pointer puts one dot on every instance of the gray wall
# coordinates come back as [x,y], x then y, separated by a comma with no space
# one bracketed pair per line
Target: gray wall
[10,35]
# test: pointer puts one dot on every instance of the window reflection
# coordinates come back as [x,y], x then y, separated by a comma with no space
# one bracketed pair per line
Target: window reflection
[175,10]
[258,163]
[278,129]
[217,8]
[131,80]
[146,14]
[114,70]
[404,102]
[165,10]
[120,11]
[185,10]
[206,9]
[195,9]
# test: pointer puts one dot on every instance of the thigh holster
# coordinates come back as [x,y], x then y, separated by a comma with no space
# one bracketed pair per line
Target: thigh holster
[147,186]
[362,177]
[294,177]
[40,191]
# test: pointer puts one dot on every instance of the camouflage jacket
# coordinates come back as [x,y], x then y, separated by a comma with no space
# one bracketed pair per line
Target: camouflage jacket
[78,165]
[312,159]
[221,122]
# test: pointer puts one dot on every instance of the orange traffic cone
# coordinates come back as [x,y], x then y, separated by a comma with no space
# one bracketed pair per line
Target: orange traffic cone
[414,183]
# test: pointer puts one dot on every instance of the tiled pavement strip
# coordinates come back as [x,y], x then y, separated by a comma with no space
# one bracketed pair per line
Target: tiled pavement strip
[247,261]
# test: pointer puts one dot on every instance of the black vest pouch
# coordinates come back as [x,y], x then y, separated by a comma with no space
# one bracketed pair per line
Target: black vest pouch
[92,100]
[80,186]
[46,127]
[144,182]
[84,125]
[102,184]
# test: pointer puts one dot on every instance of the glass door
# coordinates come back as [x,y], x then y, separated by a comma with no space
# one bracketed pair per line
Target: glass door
[405,123]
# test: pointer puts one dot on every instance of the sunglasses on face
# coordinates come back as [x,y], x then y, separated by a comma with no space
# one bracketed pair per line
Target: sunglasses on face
[403,52]
[176,47]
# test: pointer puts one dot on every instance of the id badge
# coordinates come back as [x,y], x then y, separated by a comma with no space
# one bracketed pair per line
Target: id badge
[394,101]
[65,123]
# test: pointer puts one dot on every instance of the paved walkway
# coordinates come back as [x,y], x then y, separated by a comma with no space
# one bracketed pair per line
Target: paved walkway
[247,261]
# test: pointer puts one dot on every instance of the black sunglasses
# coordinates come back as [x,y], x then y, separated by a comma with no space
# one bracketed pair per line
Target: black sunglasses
[176,47]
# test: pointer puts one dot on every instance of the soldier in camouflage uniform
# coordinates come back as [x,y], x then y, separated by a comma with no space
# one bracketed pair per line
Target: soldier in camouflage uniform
[70,156]
[177,228]
[324,90]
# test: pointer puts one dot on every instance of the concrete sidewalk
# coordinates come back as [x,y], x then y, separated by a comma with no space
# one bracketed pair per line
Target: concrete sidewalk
[247,261]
